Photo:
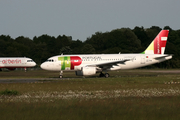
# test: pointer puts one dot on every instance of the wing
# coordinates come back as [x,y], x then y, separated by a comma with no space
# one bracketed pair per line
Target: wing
[108,65]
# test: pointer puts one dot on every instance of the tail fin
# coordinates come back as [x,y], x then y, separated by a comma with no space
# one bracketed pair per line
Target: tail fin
[158,45]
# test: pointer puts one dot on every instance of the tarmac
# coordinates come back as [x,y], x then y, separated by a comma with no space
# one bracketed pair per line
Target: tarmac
[42,80]
[30,80]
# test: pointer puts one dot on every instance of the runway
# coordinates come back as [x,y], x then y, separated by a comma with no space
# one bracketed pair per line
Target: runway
[30,80]
[42,80]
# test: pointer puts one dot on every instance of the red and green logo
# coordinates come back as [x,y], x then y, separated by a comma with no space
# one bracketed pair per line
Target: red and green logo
[69,62]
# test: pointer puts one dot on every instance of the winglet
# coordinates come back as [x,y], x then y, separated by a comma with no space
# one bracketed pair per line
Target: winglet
[158,45]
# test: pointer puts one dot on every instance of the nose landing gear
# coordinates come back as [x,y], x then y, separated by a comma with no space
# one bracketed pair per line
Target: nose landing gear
[61,74]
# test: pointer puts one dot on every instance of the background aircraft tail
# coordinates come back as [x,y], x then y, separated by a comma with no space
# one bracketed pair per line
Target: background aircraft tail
[158,45]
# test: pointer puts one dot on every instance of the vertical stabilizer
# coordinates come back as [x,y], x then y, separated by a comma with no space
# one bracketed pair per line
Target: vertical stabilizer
[158,45]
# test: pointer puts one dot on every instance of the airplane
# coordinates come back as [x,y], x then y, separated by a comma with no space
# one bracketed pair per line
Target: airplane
[86,65]
[11,63]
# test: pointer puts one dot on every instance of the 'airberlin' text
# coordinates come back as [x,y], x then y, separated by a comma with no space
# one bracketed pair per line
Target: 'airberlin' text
[9,61]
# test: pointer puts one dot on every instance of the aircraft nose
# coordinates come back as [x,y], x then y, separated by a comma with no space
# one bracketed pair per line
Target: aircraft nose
[34,64]
[44,66]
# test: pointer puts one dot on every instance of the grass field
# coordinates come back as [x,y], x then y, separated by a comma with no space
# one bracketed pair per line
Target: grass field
[130,94]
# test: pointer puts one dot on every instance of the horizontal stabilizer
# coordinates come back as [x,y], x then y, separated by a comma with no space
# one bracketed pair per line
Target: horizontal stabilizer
[161,57]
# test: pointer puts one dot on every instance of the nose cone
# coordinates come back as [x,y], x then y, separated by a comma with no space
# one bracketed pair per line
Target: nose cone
[33,64]
[44,66]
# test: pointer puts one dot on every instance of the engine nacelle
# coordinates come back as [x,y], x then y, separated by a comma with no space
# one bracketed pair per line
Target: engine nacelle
[85,71]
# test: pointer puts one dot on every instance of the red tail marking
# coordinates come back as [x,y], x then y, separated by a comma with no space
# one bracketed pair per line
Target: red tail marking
[158,43]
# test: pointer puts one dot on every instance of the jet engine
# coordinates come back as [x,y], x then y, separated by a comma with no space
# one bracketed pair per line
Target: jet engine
[85,71]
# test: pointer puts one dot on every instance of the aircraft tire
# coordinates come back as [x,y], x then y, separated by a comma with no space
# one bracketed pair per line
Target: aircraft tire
[106,75]
[101,75]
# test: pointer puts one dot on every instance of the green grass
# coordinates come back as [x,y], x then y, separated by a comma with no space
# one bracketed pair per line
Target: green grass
[9,92]
[166,108]
[131,94]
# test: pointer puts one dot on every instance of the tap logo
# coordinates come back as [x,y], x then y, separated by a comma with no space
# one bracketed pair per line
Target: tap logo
[69,62]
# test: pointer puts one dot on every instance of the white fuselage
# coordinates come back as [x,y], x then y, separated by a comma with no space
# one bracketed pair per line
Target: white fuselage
[16,62]
[76,62]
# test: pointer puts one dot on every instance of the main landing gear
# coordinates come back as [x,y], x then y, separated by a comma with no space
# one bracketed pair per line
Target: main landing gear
[61,74]
[106,75]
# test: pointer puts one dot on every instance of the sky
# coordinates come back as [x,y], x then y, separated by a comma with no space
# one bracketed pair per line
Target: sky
[82,18]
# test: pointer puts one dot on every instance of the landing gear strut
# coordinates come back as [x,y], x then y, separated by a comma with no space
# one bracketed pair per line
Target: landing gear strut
[61,74]
[25,69]
[106,75]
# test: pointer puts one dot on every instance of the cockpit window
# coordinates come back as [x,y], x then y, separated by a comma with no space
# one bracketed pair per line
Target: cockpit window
[50,60]
[29,60]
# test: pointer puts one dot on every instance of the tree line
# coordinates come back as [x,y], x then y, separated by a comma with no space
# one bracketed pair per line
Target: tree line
[123,40]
